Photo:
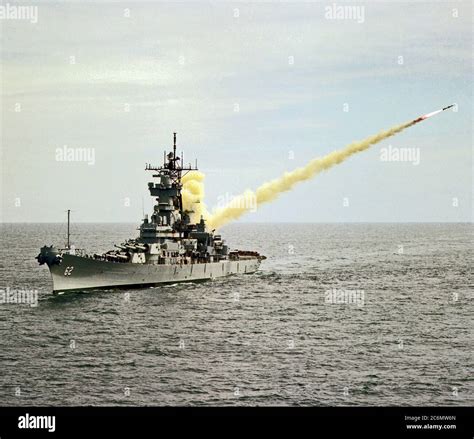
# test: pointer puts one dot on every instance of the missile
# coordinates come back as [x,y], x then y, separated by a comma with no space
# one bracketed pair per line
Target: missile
[449,106]
[426,116]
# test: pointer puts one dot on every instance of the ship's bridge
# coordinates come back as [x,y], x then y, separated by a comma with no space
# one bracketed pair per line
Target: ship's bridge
[166,188]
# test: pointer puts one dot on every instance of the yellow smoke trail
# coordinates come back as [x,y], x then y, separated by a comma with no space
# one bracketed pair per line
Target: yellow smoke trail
[270,190]
[193,195]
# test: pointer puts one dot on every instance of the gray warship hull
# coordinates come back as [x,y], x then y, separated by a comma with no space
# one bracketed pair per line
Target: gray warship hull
[78,273]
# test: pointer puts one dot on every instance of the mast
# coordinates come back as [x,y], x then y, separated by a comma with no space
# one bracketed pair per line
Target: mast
[68,225]
[174,151]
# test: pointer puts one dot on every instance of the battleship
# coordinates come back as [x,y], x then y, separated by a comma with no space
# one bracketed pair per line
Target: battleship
[169,248]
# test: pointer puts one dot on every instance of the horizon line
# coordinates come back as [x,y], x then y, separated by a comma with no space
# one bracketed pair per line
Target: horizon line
[254,222]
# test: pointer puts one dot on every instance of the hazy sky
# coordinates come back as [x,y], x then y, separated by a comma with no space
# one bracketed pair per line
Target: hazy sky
[253,90]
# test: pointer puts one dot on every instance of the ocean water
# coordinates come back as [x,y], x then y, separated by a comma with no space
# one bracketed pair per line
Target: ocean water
[338,315]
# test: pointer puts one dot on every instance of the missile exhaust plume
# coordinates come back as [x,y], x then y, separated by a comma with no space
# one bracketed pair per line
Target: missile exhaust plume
[193,195]
[268,191]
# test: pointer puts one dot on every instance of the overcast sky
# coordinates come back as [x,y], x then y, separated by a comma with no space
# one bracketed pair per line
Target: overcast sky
[253,90]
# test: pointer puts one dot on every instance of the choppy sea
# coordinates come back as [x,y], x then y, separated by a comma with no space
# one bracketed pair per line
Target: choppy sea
[339,314]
